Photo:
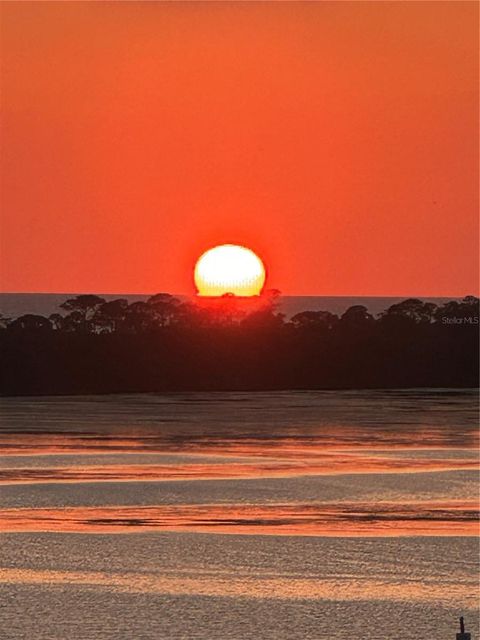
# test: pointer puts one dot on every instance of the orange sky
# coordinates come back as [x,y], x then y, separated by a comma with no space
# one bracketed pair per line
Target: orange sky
[338,140]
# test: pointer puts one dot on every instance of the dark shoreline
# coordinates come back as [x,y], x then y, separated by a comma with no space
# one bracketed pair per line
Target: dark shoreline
[231,344]
[103,394]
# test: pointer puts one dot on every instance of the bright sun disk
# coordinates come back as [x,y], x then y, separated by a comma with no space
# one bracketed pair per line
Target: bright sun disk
[229,268]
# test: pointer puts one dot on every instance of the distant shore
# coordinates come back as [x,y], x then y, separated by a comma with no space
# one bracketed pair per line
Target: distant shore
[13,305]
[236,344]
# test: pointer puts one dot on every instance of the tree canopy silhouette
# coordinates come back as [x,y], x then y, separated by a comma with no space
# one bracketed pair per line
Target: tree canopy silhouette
[165,344]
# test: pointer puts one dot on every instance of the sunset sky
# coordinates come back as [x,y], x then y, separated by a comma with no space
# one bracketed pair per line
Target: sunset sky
[338,140]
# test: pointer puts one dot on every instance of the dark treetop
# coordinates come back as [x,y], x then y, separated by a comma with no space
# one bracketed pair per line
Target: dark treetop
[231,343]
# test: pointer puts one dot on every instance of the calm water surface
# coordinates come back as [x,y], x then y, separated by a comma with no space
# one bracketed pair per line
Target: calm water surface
[305,515]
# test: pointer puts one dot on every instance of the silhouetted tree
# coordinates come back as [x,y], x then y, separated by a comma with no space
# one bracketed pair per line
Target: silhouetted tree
[317,320]
[75,321]
[468,308]
[83,307]
[411,310]
[110,315]
[234,343]
[271,297]
[356,317]
[227,309]
[264,318]
[139,317]
[165,308]
[57,321]
[30,323]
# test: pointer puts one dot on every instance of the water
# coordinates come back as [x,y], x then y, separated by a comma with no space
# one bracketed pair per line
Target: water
[13,305]
[237,516]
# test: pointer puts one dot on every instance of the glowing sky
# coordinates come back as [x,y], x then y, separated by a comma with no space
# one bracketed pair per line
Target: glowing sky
[337,140]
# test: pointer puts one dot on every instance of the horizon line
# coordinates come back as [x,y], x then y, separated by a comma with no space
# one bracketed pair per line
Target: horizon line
[282,295]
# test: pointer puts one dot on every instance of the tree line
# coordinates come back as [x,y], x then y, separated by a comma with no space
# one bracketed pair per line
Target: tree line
[230,343]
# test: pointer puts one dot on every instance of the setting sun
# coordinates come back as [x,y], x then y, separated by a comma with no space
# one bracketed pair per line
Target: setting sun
[229,268]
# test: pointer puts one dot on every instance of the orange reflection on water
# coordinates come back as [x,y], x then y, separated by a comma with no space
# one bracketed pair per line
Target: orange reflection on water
[305,443]
[447,518]
[327,463]
[227,583]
